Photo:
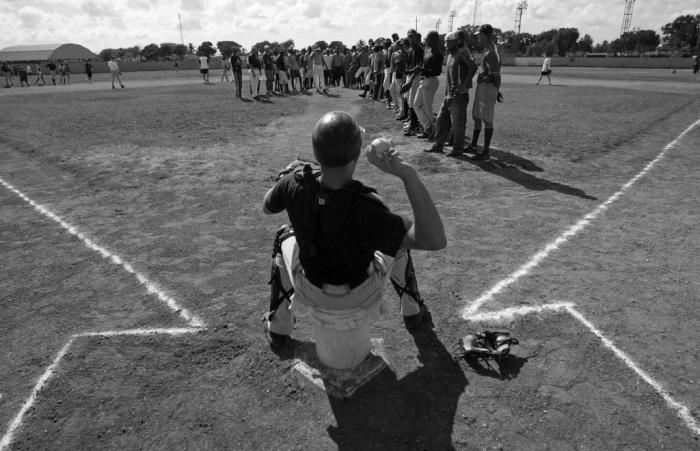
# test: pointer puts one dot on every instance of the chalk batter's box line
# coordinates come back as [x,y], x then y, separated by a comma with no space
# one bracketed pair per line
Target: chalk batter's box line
[682,411]
[569,233]
[152,288]
[15,424]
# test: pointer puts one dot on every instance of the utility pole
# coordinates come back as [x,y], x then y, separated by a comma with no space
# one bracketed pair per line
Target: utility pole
[416,28]
[451,22]
[182,36]
[522,6]
[437,25]
[627,17]
[477,13]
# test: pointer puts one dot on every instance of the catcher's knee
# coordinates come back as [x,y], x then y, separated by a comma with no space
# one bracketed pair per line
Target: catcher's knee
[278,293]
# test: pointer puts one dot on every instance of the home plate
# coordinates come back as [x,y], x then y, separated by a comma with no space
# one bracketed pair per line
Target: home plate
[339,383]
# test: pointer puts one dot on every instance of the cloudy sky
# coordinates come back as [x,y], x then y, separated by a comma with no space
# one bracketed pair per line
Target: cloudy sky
[99,24]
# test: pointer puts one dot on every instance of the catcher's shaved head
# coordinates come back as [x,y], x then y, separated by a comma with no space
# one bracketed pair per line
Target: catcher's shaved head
[336,139]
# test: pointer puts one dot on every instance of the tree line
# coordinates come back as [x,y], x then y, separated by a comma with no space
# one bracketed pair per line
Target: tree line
[680,36]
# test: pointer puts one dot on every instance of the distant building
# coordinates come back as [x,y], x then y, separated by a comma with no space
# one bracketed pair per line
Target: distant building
[44,52]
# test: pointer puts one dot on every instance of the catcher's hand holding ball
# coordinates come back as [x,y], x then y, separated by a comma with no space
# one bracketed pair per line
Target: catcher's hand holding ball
[383,155]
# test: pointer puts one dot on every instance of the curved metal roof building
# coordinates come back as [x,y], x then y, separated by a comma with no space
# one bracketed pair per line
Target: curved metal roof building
[46,52]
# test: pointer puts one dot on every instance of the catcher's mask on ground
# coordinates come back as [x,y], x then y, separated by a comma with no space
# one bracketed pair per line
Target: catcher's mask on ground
[336,139]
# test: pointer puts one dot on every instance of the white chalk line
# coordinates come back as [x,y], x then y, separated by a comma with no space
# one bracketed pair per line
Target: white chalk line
[6,440]
[151,287]
[681,410]
[536,259]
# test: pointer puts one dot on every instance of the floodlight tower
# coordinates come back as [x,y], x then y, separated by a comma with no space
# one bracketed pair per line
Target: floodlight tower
[627,17]
[451,22]
[477,13]
[522,6]
[437,25]
[182,36]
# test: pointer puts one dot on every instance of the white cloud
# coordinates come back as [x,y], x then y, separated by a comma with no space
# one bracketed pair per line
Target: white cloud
[99,24]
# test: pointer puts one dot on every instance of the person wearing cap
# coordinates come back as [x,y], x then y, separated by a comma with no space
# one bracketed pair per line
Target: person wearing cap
[345,244]
[429,70]
[294,70]
[237,70]
[453,112]
[487,93]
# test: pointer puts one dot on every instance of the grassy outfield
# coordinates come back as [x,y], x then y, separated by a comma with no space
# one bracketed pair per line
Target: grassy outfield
[170,177]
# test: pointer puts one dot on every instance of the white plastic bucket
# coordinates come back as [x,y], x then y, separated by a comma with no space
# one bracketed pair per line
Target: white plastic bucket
[342,337]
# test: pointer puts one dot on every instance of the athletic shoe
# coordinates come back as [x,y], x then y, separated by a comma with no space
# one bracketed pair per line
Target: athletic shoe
[455,153]
[434,149]
[483,155]
[414,321]
[274,339]
[470,149]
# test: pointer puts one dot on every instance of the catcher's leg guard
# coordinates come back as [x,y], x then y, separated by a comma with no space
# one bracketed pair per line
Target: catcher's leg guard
[280,316]
[403,278]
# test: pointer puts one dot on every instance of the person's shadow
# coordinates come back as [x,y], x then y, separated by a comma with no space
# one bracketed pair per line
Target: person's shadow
[415,412]
[512,167]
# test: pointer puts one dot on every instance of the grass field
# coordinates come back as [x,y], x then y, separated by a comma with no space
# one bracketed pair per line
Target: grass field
[134,257]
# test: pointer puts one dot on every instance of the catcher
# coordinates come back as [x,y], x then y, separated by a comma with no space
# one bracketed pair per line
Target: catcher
[344,243]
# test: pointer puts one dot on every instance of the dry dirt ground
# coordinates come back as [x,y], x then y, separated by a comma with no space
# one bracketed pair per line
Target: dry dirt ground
[168,175]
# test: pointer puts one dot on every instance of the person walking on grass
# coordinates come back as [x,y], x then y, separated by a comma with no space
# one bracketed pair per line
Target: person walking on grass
[204,69]
[88,70]
[39,76]
[23,77]
[453,112]
[116,73]
[319,65]
[341,253]
[226,66]
[488,92]
[269,68]
[66,73]
[546,69]
[51,66]
[7,73]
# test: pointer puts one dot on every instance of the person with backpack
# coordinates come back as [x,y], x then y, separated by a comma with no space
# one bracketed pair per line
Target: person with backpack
[345,244]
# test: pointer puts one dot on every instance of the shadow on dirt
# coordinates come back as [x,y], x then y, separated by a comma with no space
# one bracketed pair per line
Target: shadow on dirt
[414,412]
[511,167]
[506,368]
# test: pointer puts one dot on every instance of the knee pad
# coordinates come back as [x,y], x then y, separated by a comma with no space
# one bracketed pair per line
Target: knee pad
[410,283]
[278,293]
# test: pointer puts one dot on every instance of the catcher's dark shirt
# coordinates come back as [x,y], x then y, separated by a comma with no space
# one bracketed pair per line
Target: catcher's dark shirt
[349,228]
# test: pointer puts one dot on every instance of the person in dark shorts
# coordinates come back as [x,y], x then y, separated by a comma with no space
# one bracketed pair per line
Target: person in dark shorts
[345,244]
[88,70]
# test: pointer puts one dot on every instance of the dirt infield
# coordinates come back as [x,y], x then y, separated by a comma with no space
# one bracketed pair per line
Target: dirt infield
[167,176]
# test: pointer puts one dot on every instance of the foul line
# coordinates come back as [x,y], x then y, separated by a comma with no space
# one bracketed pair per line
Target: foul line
[682,410]
[152,288]
[536,259]
[17,421]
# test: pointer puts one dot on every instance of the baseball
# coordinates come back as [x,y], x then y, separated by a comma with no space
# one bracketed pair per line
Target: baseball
[381,147]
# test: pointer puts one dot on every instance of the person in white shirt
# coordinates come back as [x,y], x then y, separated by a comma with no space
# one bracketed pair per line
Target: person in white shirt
[546,69]
[204,69]
[116,73]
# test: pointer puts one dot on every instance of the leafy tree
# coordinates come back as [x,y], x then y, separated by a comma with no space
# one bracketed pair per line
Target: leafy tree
[166,50]
[646,40]
[226,47]
[323,45]
[106,54]
[565,40]
[206,49]
[286,45]
[360,43]
[134,52]
[337,45]
[603,47]
[190,48]
[151,52]
[180,50]
[585,44]
[682,33]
